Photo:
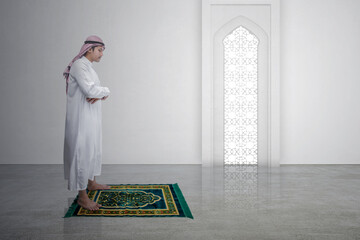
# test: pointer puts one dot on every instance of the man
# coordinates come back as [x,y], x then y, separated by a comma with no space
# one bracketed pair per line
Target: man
[83,133]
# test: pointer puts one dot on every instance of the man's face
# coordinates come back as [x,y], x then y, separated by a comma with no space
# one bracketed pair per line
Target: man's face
[96,54]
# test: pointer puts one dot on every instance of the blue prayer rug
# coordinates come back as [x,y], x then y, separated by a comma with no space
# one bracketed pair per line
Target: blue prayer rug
[135,200]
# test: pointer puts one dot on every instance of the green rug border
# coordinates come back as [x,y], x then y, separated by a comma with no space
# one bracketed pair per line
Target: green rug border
[72,208]
[182,201]
[180,196]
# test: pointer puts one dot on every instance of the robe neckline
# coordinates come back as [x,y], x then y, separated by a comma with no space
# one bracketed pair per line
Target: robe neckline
[86,60]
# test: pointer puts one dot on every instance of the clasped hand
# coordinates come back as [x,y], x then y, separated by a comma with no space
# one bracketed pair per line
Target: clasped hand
[94,100]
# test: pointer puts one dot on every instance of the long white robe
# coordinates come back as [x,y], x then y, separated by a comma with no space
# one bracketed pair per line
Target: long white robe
[83,132]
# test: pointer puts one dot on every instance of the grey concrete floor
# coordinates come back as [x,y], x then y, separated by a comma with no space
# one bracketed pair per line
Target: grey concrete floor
[232,202]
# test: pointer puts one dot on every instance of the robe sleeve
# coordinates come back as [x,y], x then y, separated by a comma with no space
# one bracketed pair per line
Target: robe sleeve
[87,86]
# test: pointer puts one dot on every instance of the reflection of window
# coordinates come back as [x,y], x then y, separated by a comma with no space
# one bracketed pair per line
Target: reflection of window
[240,186]
[240,97]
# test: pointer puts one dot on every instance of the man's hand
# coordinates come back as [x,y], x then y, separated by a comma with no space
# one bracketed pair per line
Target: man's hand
[104,98]
[92,100]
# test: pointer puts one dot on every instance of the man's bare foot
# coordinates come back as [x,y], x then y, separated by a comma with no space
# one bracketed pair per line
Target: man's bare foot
[96,186]
[86,203]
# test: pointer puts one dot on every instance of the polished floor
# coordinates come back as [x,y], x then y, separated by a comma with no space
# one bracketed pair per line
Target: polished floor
[291,202]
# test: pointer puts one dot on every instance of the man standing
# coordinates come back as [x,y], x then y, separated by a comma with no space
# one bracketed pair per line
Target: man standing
[83,133]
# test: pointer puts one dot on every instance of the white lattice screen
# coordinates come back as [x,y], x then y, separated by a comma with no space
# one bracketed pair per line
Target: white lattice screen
[240,97]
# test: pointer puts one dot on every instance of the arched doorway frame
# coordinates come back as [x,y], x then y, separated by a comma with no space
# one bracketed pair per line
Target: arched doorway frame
[208,81]
[263,89]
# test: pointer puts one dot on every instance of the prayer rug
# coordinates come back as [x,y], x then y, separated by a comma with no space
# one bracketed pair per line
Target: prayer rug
[135,200]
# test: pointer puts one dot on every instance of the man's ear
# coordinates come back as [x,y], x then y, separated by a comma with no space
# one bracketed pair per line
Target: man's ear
[90,50]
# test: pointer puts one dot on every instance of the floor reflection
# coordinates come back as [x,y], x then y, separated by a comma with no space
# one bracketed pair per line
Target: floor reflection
[90,226]
[240,186]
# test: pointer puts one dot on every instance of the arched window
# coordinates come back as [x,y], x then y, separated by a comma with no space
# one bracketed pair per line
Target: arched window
[240,97]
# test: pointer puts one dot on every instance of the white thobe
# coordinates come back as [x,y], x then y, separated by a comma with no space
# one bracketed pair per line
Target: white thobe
[83,133]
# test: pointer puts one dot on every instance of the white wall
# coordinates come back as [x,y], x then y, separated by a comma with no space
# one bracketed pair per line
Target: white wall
[320,81]
[152,64]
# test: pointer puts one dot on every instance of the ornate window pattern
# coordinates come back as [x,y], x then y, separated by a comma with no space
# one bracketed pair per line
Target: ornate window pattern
[240,97]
